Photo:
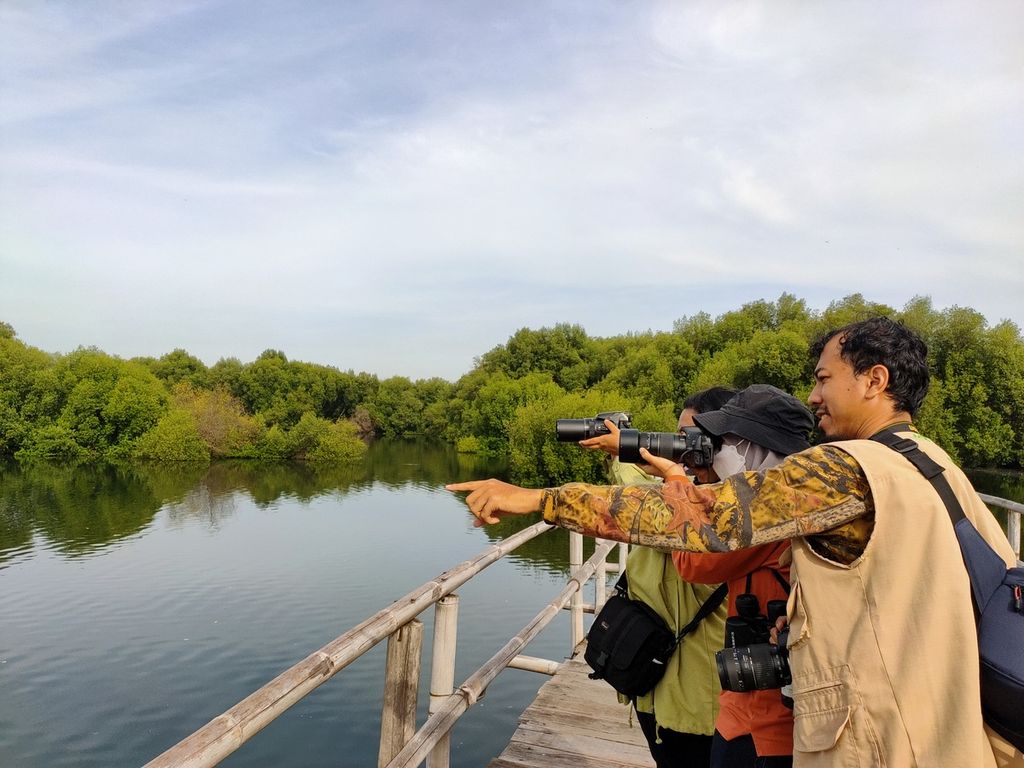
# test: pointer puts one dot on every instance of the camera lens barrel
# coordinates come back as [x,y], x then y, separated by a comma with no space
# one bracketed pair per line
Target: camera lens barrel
[574,430]
[667,445]
[691,446]
[753,668]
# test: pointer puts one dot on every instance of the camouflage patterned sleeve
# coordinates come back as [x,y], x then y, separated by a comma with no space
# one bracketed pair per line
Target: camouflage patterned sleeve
[820,493]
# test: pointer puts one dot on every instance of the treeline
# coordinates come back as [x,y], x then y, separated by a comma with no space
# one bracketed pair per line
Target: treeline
[89,405]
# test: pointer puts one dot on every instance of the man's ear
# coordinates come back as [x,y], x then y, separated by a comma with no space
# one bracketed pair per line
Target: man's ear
[878,380]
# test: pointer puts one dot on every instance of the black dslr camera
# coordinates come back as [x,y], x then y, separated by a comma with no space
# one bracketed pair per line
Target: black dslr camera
[691,446]
[749,661]
[574,430]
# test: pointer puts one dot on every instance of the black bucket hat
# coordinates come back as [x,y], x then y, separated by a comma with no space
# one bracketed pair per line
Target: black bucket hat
[762,414]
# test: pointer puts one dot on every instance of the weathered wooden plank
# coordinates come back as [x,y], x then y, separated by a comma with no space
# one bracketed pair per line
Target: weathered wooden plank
[546,757]
[612,730]
[585,745]
[577,722]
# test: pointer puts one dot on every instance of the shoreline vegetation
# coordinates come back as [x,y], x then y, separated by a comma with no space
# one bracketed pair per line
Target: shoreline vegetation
[89,406]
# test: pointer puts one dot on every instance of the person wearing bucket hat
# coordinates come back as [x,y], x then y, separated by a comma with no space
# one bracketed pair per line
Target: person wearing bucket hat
[758,428]
[764,415]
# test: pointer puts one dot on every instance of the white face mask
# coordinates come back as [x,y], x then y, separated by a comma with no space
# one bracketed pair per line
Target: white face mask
[739,455]
[728,460]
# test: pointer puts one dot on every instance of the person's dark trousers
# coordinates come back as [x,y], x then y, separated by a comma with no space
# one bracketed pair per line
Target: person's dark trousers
[740,753]
[677,750]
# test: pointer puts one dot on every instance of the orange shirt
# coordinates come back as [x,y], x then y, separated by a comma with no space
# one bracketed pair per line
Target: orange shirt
[759,713]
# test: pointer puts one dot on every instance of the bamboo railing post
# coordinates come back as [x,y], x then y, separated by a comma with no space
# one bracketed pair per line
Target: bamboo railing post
[401,689]
[600,583]
[442,671]
[476,684]
[576,602]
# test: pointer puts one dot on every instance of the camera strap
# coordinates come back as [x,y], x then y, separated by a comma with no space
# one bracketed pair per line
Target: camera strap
[707,607]
[783,581]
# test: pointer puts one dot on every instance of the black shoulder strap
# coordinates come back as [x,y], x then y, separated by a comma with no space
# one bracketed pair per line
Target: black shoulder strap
[708,607]
[778,577]
[932,471]
[781,579]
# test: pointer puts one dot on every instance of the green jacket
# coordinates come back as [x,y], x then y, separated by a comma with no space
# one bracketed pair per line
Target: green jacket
[686,698]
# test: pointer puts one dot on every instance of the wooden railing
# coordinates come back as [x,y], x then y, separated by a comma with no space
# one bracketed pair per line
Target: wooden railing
[401,744]
[1013,513]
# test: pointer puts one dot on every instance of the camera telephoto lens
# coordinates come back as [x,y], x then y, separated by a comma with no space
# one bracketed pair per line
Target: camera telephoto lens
[667,445]
[753,667]
[690,447]
[574,430]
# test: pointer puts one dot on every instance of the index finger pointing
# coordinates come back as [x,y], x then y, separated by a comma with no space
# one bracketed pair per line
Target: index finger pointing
[470,485]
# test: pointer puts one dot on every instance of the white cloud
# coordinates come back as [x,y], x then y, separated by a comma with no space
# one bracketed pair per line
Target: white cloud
[300,180]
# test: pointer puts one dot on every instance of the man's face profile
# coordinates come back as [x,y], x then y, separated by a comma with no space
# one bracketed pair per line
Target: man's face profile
[838,394]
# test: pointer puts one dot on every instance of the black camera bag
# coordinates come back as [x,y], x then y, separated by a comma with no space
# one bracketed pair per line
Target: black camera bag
[998,607]
[629,644]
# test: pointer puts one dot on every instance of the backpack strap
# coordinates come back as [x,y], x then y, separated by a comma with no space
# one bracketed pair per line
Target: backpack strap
[708,607]
[934,473]
[622,585]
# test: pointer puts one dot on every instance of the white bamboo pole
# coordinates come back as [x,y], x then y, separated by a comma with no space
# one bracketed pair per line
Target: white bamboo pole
[476,684]
[585,607]
[442,671]
[228,731]
[575,563]
[1013,512]
[600,583]
[401,690]
[533,664]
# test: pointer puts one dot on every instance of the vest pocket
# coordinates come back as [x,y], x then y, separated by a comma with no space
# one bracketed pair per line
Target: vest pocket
[830,727]
[799,624]
[819,731]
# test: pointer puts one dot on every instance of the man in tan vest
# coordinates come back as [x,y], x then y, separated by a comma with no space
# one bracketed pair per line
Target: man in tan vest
[883,647]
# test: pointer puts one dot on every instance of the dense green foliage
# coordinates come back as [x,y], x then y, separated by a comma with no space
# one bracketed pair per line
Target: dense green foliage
[89,405]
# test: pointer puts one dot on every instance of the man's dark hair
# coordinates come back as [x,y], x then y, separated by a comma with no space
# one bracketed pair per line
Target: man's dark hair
[710,399]
[881,341]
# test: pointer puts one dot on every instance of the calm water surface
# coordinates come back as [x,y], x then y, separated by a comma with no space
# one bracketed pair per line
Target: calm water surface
[137,604]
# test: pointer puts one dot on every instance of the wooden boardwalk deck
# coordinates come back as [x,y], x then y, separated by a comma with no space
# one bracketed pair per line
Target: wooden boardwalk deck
[575,722]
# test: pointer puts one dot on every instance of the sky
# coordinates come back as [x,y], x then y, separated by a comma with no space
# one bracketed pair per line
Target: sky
[397,187]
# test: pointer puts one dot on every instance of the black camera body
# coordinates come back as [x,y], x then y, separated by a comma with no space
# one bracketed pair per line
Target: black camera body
[574,430]
[749,661]
[691,446]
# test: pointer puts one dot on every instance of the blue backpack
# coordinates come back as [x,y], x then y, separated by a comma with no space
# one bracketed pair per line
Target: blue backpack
[998,603]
